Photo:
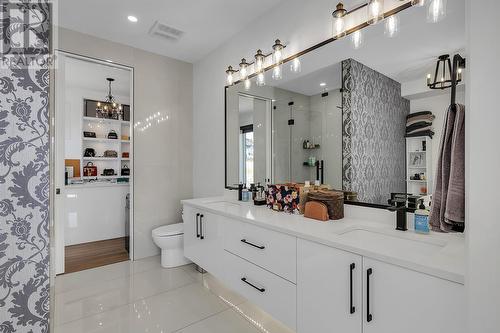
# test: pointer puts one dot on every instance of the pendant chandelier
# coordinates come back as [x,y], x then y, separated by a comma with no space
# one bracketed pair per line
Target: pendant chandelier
[442,75]
[109,108]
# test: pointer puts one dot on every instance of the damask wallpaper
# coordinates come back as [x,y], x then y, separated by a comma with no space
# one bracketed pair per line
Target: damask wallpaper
[374,120]
[24,167]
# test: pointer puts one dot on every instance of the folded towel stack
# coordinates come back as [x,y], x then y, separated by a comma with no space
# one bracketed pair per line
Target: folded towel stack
[419,124]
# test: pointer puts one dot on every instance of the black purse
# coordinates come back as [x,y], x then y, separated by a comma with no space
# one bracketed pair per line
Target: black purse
[108,172]
[89,134]
[89,152]
[112,135]
[125,171]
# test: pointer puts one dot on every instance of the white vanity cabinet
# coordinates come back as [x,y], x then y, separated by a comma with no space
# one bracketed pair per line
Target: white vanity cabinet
[202,239]
[401,300]
[329,289]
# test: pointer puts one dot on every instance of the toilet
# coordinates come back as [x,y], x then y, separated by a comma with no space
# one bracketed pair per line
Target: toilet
[169,238]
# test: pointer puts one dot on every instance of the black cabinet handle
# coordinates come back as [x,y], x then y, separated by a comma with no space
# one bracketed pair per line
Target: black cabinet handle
[244,279]
[262,247]
[369,316]
[353,309]
[197,227]
[201,227]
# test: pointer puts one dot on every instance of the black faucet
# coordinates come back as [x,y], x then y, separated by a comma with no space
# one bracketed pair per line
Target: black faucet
[400,209]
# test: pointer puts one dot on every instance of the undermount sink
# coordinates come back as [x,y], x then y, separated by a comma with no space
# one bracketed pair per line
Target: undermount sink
[222,203]
[406,242]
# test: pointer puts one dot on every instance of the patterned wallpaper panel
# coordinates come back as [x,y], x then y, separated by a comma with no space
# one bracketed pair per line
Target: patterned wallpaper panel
[374,120]
[24,168]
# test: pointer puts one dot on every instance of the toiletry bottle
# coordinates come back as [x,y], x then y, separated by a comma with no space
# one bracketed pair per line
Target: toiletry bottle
[422,219]
[240,192]
[245,194]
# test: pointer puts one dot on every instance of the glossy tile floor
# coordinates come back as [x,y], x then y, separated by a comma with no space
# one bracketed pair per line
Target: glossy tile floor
[141,296]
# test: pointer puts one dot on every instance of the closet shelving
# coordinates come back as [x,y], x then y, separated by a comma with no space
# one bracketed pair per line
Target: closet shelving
[419,161]
[101,143]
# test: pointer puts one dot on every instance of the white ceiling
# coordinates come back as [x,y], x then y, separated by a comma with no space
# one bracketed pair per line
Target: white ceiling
[206,24]
[407,57]
[92,76]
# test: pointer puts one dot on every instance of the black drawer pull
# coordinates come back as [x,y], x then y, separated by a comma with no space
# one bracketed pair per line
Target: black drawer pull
[197,227]
[262,247]
[353,309]
[252,285]
[369,316]
[201,227]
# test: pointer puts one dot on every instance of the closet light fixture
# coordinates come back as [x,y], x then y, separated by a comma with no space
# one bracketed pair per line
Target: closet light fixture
[111,108]
[230,75]
[259,61]
[375,11]
[391,26]
[442,75]
[436,11]
[296,66]
[339,21]
[357,39]
[277,52]
[243,69]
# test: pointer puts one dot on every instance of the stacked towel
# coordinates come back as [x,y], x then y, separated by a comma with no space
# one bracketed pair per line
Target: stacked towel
[419,124]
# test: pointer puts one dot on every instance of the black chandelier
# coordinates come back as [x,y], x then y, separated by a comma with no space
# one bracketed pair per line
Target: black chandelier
[443,73]
[109,108]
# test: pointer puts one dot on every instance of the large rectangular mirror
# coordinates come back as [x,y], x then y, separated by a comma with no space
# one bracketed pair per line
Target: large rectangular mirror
[357,119]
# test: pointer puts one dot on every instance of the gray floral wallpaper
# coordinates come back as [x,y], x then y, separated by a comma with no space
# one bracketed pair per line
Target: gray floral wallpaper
[374,121]
[24,167]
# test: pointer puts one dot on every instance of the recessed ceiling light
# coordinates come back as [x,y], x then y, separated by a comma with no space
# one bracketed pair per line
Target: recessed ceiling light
[322,84]
[132,18]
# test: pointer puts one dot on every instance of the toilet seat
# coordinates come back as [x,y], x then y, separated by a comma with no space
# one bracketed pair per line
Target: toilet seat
[169,230]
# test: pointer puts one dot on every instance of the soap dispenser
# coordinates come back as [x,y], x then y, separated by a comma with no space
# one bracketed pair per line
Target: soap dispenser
[422,219]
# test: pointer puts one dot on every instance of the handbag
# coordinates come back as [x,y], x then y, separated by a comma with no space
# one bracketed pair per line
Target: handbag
[125,154]
[108,172]
[316,210]
[125,170]
[110,153]
[112,135]
[89,134]
[89,152]
[90,170]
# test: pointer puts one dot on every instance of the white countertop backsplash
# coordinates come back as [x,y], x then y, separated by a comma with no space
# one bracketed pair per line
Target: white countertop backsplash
[447,262]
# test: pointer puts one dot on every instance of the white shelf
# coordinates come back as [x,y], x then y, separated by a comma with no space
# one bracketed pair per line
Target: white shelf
[106,121]
[125,141]
[416,180]
[104,177]
[101,140]
[100,158]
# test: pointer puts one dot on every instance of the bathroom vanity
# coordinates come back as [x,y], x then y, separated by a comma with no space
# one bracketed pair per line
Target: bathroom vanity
[346,276]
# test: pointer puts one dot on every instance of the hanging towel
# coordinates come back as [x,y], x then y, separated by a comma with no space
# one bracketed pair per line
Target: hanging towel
[448,199]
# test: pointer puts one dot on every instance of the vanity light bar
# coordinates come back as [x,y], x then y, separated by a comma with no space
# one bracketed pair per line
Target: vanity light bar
[404,6]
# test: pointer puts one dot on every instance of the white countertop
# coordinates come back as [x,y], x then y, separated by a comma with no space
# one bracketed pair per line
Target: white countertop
[437,254]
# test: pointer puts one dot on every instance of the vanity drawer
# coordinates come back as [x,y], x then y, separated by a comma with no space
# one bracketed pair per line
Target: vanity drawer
[273,294]
[274,251]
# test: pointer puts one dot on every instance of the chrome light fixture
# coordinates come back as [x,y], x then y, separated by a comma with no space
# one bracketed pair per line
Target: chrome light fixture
[436,11]
[230,75]
[357,39]
[391,26]
[375,11]
[277,52]
[259,61]
[277,74]
[442,75]
[296,66]
[339,21]
[243,69]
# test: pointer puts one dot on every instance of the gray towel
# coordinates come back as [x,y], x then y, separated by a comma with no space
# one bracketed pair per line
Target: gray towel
[448,199]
